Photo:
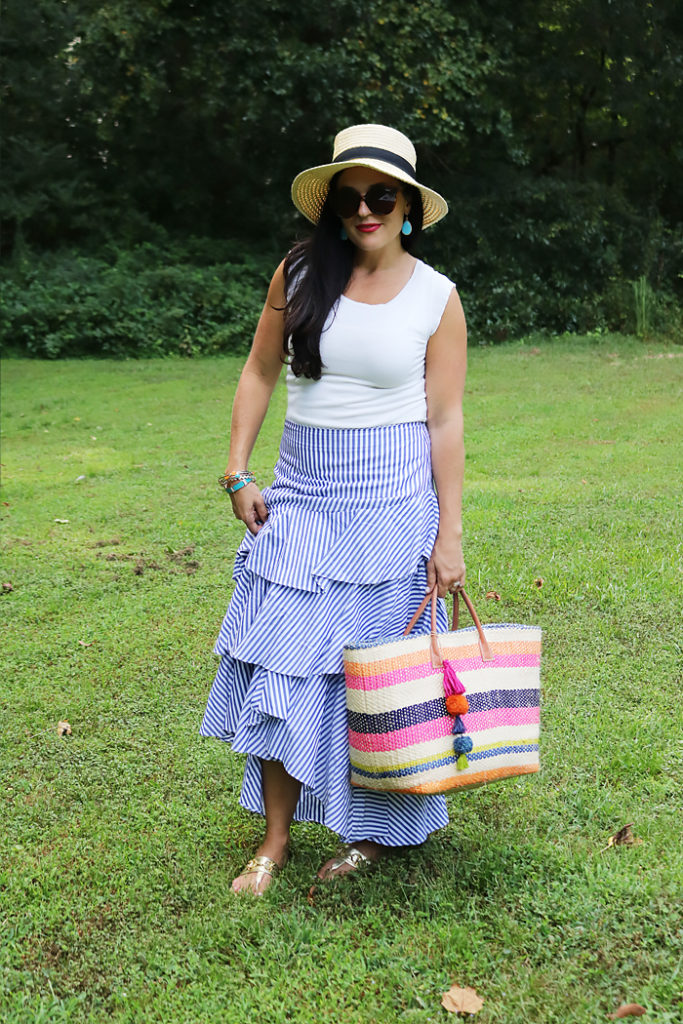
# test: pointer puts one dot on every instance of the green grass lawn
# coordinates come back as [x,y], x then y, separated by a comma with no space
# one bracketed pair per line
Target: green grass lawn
[120,841]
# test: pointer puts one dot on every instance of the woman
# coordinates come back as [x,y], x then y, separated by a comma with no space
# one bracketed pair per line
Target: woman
[343,546]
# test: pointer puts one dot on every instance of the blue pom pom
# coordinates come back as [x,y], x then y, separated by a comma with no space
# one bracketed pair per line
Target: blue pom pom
[458,727]
[462,744]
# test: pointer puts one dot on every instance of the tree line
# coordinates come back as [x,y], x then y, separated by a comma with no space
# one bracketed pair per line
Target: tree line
[552,127]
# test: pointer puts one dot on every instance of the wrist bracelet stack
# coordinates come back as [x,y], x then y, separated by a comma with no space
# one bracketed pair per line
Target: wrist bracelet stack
[236,480]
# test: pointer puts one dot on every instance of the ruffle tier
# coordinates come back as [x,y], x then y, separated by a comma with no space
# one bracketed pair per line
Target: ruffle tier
[325,570]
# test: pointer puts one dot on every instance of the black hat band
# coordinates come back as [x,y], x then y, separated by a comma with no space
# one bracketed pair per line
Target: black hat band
[374,153]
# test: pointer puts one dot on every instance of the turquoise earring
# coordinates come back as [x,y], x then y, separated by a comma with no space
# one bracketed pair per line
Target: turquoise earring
[344,237]
[407,228]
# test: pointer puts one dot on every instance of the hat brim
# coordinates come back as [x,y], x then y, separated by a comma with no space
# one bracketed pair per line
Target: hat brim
[310,188]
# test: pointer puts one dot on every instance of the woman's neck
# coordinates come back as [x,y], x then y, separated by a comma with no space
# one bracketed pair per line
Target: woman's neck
[388,258]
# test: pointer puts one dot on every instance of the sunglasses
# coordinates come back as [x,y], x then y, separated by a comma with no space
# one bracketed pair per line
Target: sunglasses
[379,199]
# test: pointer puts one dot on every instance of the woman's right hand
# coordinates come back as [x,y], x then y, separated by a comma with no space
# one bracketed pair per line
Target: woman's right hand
[249,506]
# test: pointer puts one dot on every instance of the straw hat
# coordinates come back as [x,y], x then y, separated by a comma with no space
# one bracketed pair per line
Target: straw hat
[366,145]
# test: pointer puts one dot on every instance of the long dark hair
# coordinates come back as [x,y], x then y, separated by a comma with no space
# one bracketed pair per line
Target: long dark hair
[317,270]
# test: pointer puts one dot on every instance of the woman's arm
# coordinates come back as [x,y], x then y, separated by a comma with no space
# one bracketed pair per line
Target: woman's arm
[254,390]
[446,365]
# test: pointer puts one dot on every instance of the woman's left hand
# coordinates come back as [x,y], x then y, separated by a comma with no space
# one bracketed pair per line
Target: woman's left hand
[446,566]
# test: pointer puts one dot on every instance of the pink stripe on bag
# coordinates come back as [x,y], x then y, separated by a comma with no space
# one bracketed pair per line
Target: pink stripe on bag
[474,722]
[402,675]
[499,661]
[410,672]
[369,741]
[478,721]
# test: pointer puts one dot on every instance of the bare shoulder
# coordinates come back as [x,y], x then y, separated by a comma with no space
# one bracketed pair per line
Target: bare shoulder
[265,356]
[453,313]
[452,324]
[446,362]
[276,289]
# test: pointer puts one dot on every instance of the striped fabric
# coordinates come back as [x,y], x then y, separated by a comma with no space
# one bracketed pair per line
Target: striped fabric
[400,733]
[352,520]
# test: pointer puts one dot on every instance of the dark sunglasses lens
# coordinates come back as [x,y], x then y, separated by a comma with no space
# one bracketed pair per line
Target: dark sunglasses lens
[345,202]
[380,199]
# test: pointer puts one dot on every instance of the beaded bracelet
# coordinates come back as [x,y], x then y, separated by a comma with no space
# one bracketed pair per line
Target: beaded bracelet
[232,482]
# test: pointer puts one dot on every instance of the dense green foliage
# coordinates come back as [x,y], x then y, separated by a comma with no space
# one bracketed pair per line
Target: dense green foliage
[193,298]
[553,134]
[142,301]
[119,842]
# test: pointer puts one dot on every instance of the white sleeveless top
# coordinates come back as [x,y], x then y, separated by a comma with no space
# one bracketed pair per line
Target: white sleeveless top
[373,357]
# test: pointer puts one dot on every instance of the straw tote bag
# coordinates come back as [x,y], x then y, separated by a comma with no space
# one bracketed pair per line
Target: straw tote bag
[437,712]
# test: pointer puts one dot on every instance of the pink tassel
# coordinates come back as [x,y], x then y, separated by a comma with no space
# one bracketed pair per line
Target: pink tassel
[451,683]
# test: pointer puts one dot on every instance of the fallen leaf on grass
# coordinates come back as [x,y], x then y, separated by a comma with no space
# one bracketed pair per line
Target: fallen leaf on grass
[492,595]
[83,643]
[624,837]
[538,582]
[461,1000]
[7,588]
[63,728]
[627,1010]
[61,520]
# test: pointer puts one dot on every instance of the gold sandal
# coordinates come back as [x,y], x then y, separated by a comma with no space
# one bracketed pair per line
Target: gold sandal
[352,856]
[259,866]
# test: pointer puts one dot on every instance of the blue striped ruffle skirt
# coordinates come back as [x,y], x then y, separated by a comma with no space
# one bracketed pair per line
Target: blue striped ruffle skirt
[341,559]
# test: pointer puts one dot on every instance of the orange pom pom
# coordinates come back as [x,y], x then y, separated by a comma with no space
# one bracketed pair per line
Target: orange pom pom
[457,704]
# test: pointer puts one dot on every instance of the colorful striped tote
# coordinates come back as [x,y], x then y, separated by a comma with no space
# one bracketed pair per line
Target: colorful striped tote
[444,711]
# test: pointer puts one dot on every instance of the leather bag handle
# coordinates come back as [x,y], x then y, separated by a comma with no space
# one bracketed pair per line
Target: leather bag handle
[437,660]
